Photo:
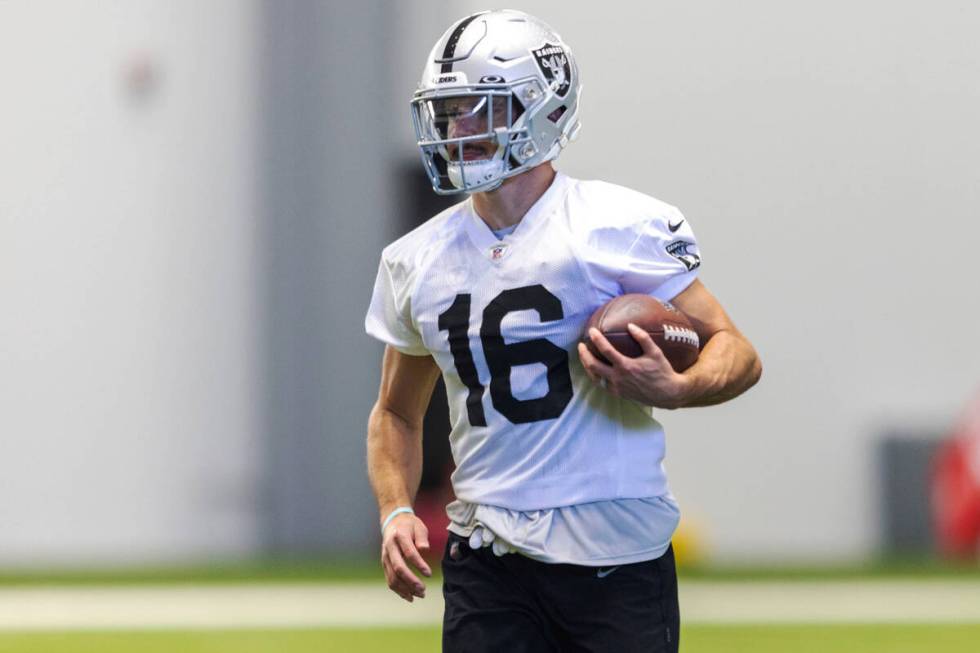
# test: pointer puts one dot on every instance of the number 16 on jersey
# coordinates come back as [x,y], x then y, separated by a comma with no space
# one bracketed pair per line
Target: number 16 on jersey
[502,357]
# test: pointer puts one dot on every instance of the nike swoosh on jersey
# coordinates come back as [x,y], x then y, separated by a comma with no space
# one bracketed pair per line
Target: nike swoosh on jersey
[674,227]
[602,573]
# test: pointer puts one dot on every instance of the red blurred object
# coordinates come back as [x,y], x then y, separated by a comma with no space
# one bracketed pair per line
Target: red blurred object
[432,511]
[956,489]
[430,507]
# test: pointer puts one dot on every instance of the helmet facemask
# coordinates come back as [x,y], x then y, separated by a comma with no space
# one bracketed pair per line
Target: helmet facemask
[467,135]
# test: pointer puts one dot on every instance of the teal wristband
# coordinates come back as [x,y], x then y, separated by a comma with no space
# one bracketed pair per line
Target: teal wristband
[394,513]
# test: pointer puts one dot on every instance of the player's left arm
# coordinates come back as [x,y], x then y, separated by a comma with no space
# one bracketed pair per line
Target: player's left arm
[727,366]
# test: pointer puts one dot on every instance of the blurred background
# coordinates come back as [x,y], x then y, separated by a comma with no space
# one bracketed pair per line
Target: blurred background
[194,196]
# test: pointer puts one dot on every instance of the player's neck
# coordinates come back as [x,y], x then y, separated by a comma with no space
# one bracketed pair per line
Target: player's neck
[506,206]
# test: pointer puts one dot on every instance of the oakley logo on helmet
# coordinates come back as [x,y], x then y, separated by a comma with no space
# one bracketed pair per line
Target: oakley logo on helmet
[492,79]
[554,66]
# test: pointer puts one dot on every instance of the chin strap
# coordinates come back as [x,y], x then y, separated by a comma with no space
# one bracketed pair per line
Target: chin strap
[475,173]
[481,174]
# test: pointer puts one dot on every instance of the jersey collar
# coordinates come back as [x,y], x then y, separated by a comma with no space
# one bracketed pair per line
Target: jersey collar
[483,237]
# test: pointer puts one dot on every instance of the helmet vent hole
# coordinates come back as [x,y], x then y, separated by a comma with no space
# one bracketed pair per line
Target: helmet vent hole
[556,115]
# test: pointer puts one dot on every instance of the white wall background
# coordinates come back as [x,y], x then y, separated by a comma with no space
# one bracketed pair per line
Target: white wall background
[127,329]
[828,157]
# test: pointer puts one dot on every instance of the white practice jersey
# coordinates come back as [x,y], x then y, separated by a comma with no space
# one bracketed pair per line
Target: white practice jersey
[502,318]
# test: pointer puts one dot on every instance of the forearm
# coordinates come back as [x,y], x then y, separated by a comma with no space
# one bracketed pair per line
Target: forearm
[394,456]
[727,366]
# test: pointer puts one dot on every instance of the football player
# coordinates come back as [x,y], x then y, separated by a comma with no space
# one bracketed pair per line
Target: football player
[560,533]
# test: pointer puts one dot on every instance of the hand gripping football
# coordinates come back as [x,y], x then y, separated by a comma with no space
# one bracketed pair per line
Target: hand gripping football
[669,328]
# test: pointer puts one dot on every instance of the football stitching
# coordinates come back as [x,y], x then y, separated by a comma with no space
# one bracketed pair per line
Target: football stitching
[674,333]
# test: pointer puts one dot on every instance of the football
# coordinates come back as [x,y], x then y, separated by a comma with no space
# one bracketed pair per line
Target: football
[669,328]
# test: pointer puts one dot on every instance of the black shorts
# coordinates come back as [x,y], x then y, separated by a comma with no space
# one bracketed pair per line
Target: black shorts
[512,603]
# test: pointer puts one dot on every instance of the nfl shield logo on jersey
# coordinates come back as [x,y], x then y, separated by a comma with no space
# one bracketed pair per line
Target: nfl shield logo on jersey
[554,66]
[497,251]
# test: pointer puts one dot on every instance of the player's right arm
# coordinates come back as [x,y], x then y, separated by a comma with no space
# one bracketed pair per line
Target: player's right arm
[394,456]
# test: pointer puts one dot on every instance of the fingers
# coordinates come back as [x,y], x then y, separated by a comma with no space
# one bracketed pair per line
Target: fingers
[484,537]
[594,367]
[411,553]
[400,578]
[413,541]
[599,372]
[646,343]
[501,548]
[629,377]
[403,541]
[587,361]
[605,348]
[481,537]
[422,545]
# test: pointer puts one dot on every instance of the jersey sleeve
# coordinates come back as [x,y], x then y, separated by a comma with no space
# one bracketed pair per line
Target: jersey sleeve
[389,316]
[663,260]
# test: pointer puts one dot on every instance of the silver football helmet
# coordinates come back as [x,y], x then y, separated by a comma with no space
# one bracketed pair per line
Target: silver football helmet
[498,96]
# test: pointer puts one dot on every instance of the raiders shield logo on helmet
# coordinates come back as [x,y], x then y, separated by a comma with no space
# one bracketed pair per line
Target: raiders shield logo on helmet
[553,63]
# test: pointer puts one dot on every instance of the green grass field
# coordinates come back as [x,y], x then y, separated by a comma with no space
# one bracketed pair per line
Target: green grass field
[694,639]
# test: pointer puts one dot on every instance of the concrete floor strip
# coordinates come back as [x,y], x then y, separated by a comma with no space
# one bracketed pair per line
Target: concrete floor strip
[321,605]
